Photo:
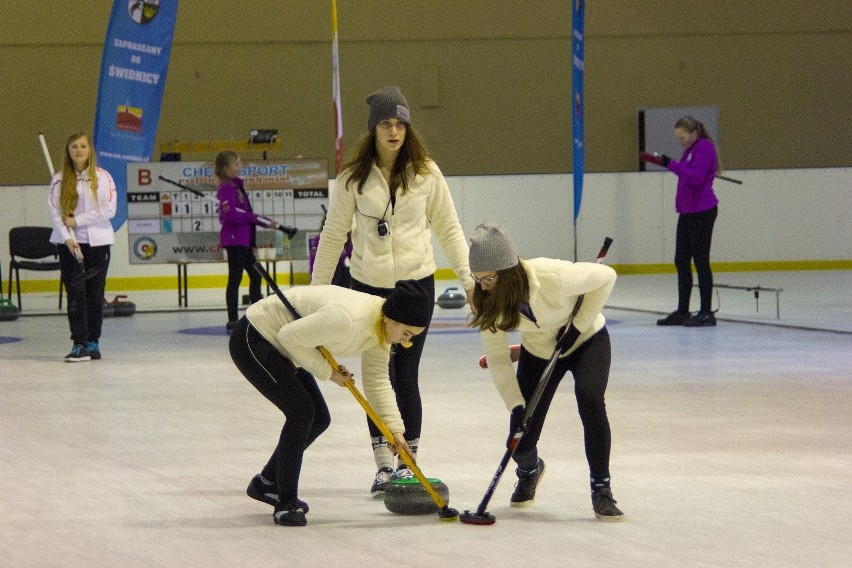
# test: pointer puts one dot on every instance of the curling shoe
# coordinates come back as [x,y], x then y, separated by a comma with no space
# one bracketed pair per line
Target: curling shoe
[290,513]
[604,506]
[674,318]
[94,350]
[402,472]
[268,492]
[524,494]
[78,353]
[383,477]
[701,319]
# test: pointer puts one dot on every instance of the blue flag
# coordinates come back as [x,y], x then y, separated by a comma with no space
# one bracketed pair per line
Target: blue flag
[578,12]
[133,74]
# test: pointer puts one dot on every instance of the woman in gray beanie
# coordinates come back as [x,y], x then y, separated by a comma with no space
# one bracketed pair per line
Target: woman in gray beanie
[278,354]
[393,197]
[536,298]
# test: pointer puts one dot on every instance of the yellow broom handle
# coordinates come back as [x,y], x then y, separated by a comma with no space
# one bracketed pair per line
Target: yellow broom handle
[380,424]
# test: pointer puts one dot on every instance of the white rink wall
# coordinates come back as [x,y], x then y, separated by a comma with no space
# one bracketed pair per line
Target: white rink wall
[775,216]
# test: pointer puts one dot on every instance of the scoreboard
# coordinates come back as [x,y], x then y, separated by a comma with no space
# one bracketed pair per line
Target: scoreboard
[173,213]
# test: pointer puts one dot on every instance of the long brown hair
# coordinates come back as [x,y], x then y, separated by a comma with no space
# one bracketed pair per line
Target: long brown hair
[691,124]
[500,308]
[68,197]
[412,159]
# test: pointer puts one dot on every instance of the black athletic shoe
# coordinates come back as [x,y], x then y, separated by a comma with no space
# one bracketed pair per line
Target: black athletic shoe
[701,319]
[264,493]
[78,353]
[604,506]
[674,318]
[524,494]
[290,514]
[94,350]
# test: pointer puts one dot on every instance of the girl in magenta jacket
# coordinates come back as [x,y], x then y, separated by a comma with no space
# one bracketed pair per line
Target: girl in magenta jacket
[237,236]
[697,207]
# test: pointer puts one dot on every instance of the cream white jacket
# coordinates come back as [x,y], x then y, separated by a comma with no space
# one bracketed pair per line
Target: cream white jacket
[554,288]
[92,215]
[341,320]
[406,253]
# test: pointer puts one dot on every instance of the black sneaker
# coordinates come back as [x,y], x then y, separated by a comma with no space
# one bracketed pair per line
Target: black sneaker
[94,350]
[290,514]
[604,506]
[674,318]
[78,353]
[264,493]
[524,494]
[701,319]
[383,477]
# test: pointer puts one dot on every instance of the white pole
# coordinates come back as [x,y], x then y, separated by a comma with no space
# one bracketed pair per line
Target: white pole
[75,248]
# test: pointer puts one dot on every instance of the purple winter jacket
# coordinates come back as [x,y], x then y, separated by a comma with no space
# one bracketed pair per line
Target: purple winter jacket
[695,172]
[235,214]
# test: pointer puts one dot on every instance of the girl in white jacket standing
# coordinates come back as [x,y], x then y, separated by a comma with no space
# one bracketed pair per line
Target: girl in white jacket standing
[536,297]
[392,197]
[278,354]
[82,201]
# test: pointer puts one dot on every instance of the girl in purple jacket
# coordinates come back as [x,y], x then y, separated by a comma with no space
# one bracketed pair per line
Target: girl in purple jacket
[237,236]
[697,207]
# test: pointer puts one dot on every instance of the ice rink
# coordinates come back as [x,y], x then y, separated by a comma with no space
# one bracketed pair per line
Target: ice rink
[731,445]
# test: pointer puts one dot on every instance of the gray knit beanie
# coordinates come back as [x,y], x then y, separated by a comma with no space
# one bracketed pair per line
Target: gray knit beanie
[491,248]
[387,102]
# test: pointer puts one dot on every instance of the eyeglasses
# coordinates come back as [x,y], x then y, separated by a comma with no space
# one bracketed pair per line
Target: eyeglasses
[387,125]
[487,280]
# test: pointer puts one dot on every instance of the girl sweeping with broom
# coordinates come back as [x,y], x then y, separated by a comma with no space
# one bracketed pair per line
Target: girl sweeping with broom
[278,354]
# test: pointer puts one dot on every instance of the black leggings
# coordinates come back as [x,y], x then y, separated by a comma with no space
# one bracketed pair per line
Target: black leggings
[85,295]
[240,258]
[404,368]
[590,366]
[694,234]
[294,391]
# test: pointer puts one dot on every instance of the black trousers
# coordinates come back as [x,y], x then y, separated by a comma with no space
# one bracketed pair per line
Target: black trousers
[404,368]
[85,305]
[293,391]
[694,234]
[590,367]
[240,259]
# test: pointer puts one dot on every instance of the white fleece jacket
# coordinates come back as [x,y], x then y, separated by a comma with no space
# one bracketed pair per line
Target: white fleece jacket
[554,288]
[406,253]
[92,215]
[341,320]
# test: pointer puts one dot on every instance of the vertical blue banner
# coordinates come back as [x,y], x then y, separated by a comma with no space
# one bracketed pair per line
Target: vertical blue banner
[578,12]
[133,74]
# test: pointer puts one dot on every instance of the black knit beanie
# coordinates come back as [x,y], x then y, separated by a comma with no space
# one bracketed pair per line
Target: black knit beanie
[409,304]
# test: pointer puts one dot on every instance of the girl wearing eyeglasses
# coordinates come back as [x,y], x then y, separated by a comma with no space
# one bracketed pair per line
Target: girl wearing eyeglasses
[537,298]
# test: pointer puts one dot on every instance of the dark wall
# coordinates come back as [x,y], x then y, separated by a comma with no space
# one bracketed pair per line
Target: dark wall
[488,81]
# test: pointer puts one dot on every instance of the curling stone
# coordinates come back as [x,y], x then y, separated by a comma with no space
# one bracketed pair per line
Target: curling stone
[452,299]
[122,307]
[407,497]
[109,309]
[8,310]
